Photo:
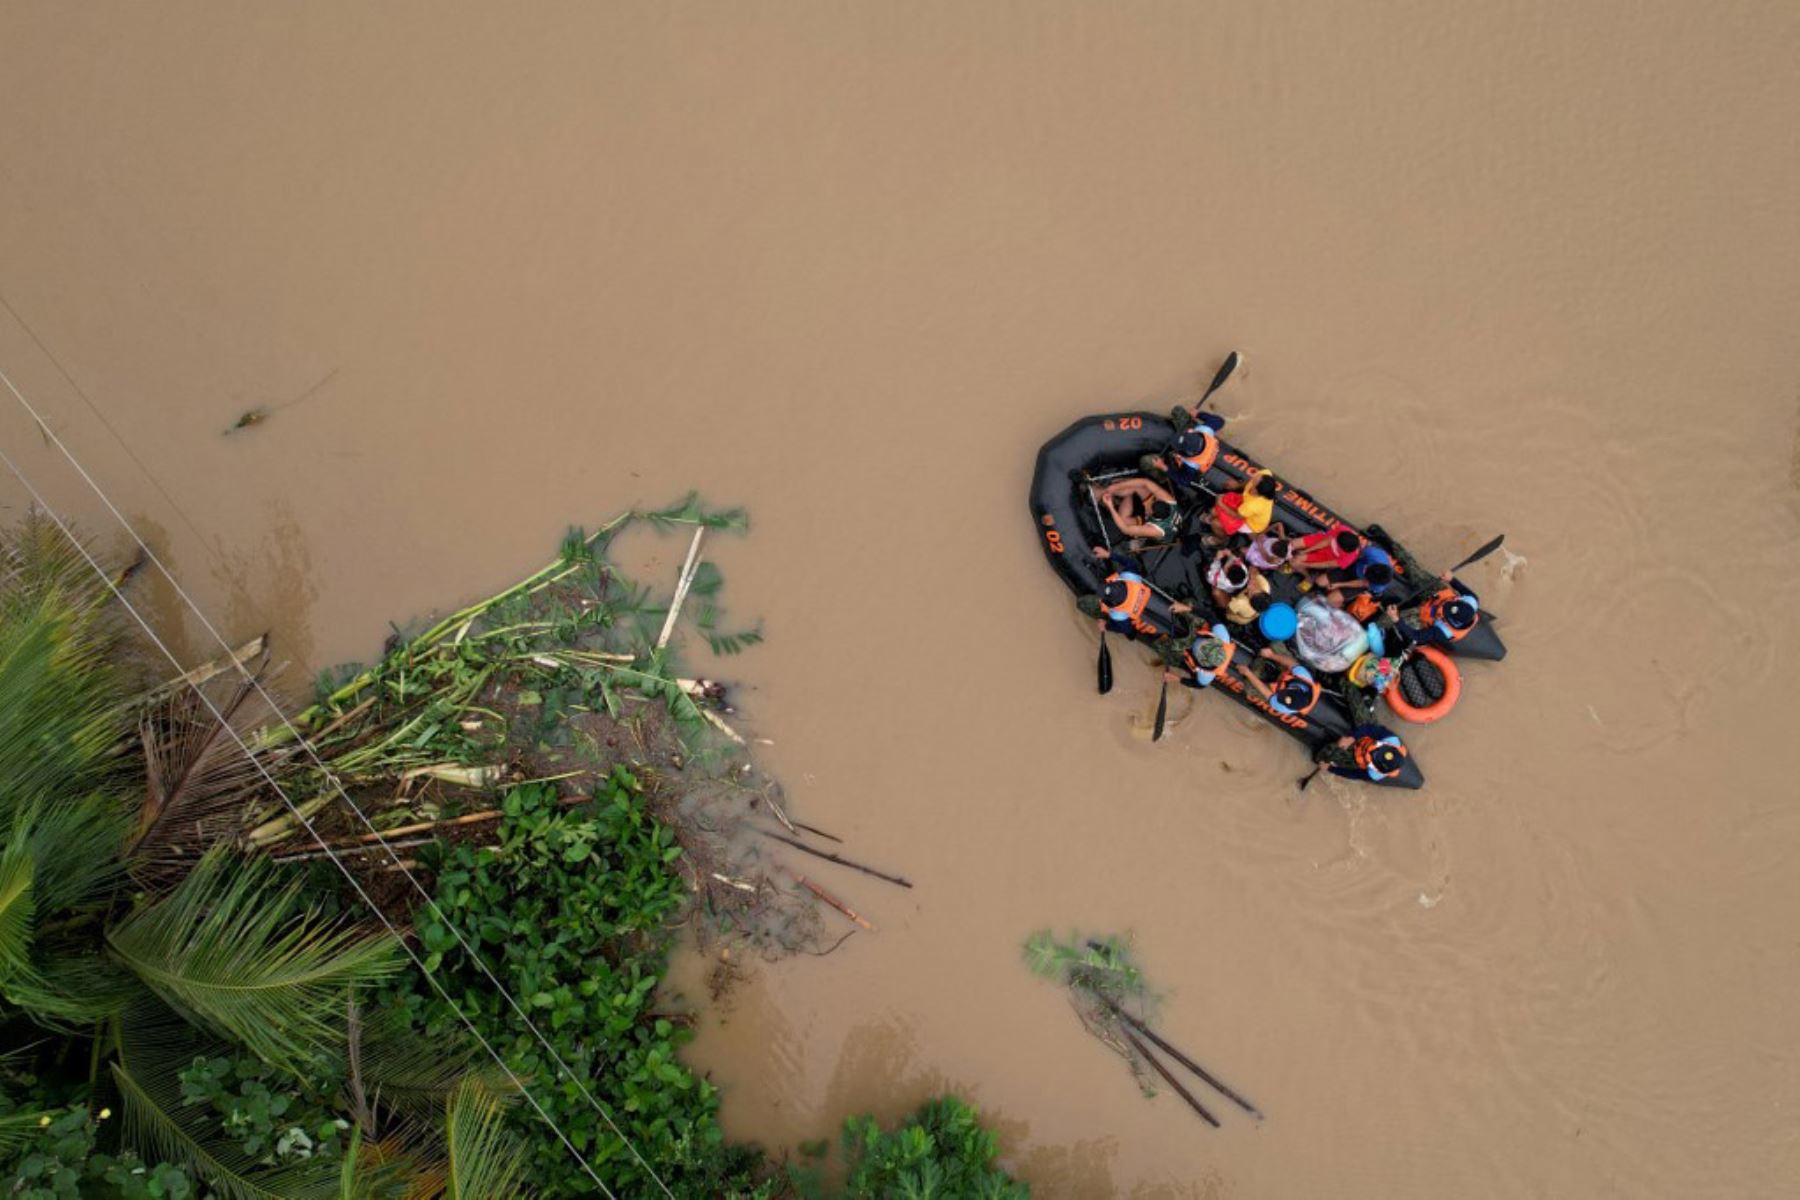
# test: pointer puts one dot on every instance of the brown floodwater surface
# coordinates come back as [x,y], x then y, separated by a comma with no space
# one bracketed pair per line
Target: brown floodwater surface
[1520,267]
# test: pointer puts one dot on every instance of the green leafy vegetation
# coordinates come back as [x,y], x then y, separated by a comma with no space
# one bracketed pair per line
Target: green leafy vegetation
[1102,978]
[573,908]
[941,1152]
[171,1030]
[1108,993]
[194,1004]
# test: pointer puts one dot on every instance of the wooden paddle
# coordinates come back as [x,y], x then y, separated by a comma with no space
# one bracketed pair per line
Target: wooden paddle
[1225,369]
[1480,554]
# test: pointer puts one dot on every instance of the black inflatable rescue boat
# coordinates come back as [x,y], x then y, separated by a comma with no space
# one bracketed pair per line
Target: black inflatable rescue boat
[1070,522]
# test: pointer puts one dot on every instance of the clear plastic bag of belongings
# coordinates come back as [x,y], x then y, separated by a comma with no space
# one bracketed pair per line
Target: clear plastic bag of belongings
[1328,638]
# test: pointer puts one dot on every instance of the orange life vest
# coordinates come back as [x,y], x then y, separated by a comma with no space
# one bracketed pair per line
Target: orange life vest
[1137,598]
[1202,462]
[1365,748]
[1313,691]
[1432,613]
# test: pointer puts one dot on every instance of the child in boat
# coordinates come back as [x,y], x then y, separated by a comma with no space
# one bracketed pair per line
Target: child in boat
[1204,659]
[1271,550]
[1226,575]
[1250,510]
[1123,603]
[1247,606]
[1160,517]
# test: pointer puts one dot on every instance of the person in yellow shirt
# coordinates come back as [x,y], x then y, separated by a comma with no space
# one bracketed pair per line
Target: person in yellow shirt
[1244,607]
[1249,511]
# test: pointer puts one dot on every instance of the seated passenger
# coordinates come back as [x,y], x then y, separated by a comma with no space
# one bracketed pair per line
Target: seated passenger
[1204,659]
[1360,587]
[1123,605]
[1248,605]
[1159,517]
[1271,551]
[1332,549]
[1369,752]
[1250,510]
[1295,693]
[1226,575]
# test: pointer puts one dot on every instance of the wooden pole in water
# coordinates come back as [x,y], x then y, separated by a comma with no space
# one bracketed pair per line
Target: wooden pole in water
[842,862]
[1181,1058]
[1170,1079]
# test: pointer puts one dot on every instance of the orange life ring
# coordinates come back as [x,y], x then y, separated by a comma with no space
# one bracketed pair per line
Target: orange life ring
[1435,711]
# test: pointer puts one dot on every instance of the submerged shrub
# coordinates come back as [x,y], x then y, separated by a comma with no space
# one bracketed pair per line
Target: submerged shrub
[940,1153]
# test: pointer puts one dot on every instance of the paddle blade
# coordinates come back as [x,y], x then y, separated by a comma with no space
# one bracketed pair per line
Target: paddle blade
[1308,777]
[1162,713]
[1480,554]
[1105,665]
[1225,369]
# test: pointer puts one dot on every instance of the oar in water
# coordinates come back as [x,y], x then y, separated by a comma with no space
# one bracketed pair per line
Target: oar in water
[1308,777]
[1499,540]
[1105,664]
[1162,711]
[1225,369]
[1480,554]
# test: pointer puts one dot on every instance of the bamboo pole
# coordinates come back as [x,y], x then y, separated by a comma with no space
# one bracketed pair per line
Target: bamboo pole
[681,589]
[332,851]
[403,831]
[768,797]
[828,898]
[214,667]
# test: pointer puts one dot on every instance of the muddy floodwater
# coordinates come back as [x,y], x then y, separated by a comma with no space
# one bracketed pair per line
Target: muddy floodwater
[1520,267]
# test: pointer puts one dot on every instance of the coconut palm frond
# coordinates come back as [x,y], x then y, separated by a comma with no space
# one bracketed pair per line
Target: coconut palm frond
[17,904]
[399,1069]
[75,843]
[58,719]
[375,1169]
[156,1125]
[69,993]
[485,1161]
[235,946]
[52,862]
[37,561]
[199,780]
[154,1045]
[17,1128]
